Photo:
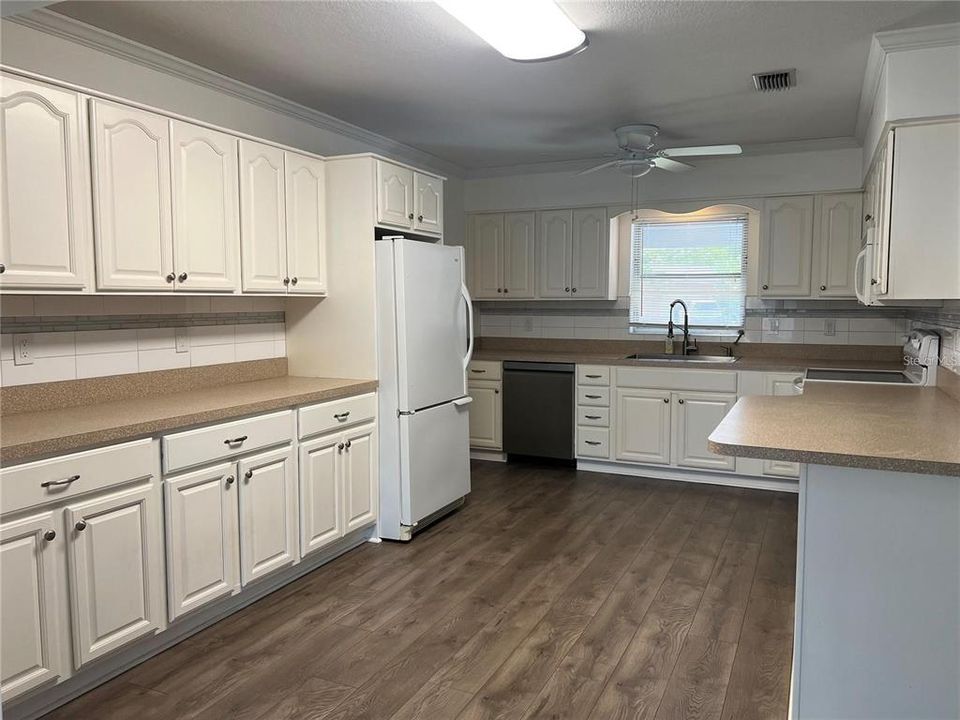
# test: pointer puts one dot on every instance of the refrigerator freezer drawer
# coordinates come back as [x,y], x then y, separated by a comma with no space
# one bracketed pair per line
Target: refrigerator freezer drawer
[435,457]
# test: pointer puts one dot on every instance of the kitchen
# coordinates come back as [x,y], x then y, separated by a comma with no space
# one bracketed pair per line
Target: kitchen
[620,383]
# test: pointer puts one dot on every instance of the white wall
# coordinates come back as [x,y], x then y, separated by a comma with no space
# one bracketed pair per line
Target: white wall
[721,178]
[62,59]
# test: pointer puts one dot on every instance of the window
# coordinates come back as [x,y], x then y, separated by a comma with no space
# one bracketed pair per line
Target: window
[700,261]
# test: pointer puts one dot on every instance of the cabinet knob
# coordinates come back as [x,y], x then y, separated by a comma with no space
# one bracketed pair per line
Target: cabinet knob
[3,268]
[286,281]
[680,401]
[182,277]
[171,277]
[340,447]
[496,392]
[566,289]
[766,287]
[506,290]
[823,287]
[410,216]
[248,474]
[50,535]
[499,290]
[867,217]
[666,400]
[873,281]
[81,525]
[293,280]
[230,479]
[349,443]
[419,218]
[574,290]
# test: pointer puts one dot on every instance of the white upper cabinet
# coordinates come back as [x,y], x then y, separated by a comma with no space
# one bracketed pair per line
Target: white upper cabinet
[306,224]
[519,256]
[591,253]
[786,246]
[131,183]
[30,582]
[409,199]
[206,211]
[263,229]
[45,211]
[486,255]
[428,204]
[837,241]
[555,253]
[394,195]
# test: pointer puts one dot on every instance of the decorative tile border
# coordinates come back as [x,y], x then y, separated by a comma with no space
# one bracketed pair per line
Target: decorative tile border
[36,324]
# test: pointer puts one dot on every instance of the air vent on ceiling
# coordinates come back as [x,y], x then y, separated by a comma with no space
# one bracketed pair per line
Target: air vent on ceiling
[775,80]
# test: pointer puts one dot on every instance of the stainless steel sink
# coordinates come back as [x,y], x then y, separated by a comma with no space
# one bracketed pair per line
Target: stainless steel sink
[664,357]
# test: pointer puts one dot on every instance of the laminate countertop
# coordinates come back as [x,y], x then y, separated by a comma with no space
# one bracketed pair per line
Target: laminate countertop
[880,427]
[757,363]
[30,435]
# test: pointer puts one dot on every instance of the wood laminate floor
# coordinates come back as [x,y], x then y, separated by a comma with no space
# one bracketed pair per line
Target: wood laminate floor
[552,594]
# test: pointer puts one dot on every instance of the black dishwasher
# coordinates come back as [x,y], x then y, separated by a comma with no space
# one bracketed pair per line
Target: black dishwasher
[538,401]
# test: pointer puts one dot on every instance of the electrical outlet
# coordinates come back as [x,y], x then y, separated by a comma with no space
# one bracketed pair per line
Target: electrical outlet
[774,326]
[181,340]
[528,324]
[830,327]
[23,349]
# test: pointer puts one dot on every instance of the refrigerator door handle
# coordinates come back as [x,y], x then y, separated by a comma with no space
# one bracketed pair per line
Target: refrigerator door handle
[465,400]
[466,298]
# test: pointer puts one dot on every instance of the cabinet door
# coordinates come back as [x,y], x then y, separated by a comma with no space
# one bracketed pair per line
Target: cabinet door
[30,630]
[486,415]
[203,544]
[643,426]
[696,415]
[838,243]
[428,204]
[44,192]
[394,195]
[519,256]
[486,256]
[131,189]
[306,224]
[591,253]
[555,243]
[359,478]
[268,513]
[321,512]
[781,384]
[263,227]
[115,571]
[206,208]
[786,246]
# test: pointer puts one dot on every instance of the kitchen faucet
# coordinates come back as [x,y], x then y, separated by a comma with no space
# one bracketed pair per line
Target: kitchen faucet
[687,348]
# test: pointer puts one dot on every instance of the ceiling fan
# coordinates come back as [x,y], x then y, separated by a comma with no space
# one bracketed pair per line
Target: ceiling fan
[639,155]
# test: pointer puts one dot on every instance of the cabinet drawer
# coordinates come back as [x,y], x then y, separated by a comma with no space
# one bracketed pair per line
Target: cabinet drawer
[65,477]
[593,442]
[590,395]
[328,416]
[215,442]
[677,379]
[596,416]
[484,370]
[593,375]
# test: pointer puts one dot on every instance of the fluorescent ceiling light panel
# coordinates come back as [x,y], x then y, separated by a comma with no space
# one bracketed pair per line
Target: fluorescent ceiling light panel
[523,30]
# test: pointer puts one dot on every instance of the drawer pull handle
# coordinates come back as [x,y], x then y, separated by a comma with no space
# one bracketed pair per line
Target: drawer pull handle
[81,525]
[592,397]
[248,474]
[592,442]
[594,377]
[592,417]
[65,481]
[477,371]
[340,417]
[236,440]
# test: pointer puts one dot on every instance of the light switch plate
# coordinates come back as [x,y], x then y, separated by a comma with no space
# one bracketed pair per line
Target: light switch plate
[23,349]
[181,340]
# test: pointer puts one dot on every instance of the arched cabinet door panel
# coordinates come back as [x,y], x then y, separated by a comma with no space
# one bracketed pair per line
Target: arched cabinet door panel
[306,224]
[263,224]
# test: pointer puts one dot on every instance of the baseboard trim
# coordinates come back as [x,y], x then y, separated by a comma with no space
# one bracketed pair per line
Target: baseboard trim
[45,699]
[708,478]
[491,455]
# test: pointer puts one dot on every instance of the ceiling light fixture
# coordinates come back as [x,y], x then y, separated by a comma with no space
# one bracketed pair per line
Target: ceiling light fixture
[522,30]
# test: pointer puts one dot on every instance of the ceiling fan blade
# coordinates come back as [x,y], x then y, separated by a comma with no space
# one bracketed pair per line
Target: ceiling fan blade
[665,163]
[702,150]
[601,166]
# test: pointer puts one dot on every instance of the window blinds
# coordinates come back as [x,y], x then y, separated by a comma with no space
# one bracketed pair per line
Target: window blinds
[702,262]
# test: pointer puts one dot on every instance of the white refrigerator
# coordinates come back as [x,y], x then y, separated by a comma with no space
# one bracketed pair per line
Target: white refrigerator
[425,340]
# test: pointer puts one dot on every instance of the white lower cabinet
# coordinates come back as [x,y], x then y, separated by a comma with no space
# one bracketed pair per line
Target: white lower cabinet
[361,489]
[203,543]
[321,519]
[115,570]
[31,632]
[486,414]
[643,426]
[697,415]
[268,513]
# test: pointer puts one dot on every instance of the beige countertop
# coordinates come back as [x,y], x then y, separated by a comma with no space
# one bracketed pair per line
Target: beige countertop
[759,363]
[29,435]
[881,427]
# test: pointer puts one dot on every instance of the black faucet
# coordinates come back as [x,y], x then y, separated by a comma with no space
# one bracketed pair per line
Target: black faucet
[687,347]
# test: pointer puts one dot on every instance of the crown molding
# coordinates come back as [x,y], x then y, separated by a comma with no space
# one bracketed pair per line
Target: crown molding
[559,166]
[52,23]
[891,41]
